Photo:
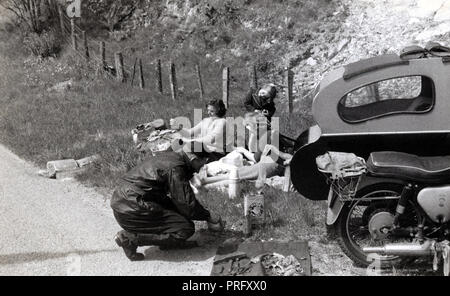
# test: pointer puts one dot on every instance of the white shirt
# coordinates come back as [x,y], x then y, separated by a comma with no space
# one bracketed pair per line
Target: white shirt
[212,132]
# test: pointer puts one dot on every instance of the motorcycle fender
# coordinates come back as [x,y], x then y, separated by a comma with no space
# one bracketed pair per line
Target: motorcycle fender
[335,209]
[336,204]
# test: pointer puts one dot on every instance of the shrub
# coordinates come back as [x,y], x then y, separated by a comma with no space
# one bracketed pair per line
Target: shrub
[45,44]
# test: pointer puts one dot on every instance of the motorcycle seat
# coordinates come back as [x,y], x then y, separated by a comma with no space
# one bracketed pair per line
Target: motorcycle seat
[409,167]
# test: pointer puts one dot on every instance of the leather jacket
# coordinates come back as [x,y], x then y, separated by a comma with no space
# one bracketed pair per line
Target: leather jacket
[159,182]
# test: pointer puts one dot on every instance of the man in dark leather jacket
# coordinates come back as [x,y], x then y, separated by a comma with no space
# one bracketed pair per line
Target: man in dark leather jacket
[155,205]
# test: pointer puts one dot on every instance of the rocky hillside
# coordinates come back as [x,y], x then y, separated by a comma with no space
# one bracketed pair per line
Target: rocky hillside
[372,28]
[311,37]
[269,34]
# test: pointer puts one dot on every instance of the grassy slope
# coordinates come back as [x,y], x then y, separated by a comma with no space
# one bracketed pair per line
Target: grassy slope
[96,115]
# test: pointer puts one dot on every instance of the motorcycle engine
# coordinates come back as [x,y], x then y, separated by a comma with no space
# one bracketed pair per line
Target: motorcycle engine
[435,201]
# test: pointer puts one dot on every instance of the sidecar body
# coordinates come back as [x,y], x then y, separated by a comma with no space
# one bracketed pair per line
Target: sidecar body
[385,103]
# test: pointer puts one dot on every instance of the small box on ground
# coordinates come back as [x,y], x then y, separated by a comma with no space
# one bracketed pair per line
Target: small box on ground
[254,208]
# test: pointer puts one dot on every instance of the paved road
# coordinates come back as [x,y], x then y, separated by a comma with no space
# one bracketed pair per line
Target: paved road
[54,227]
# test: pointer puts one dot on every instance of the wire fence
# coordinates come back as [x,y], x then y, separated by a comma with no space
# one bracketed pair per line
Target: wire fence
[177,78]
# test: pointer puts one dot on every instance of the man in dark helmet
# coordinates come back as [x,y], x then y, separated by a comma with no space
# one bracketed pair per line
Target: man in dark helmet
[262,100]
[155,205]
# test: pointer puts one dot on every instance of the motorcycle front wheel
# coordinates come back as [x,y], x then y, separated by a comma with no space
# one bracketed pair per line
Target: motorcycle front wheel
[352,226]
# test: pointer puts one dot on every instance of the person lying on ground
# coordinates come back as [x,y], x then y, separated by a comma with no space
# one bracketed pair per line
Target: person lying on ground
[155,205]
[271,162]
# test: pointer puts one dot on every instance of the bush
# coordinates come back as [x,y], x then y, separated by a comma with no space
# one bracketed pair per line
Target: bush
[44,44]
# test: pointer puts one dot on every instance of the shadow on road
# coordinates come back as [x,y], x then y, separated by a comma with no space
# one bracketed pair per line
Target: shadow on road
[208,244]
[42,256]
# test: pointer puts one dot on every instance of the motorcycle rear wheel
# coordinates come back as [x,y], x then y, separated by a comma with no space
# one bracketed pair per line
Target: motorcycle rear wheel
[349,226]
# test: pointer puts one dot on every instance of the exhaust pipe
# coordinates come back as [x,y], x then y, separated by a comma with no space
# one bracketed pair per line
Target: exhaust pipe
[403,249]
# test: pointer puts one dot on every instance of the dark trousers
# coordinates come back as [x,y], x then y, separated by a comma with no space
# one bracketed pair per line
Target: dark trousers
[204,155]
[163,224]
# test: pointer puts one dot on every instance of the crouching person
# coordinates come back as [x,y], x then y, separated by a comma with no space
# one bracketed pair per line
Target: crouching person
[155,205]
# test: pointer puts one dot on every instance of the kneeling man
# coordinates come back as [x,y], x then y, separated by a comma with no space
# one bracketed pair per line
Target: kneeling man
[155,205]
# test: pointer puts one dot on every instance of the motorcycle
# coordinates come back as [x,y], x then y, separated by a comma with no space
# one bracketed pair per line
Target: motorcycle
[397,206]
[394,208]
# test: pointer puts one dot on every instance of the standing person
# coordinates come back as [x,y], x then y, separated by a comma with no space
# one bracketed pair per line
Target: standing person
[262,100]
[155,205]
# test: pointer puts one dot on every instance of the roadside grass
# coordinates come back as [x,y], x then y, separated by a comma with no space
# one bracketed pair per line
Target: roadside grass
[96,114]
[288,215]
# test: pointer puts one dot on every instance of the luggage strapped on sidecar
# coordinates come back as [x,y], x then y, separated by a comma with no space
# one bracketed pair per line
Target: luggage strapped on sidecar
[343,172]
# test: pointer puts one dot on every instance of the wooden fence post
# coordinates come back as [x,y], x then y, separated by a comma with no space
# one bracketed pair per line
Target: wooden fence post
[173,81]
[72,33]
[159,76]
[47,8]
[38,13]
[200,82]
[225,85]
[85,45]
[290,84]
[372,91]
[103,55]
[141,75]
[61,20]
[119,67]
[253,77]
[287,179]
[134,71]
[376,92]
[49,4]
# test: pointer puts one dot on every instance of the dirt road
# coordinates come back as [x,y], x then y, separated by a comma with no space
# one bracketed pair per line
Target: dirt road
[53,227]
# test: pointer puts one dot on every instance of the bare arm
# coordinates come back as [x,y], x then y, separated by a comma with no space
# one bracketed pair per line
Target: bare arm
[248,101]
[270,150]
[195,130]
[250,156]
[183,197]
[187,133]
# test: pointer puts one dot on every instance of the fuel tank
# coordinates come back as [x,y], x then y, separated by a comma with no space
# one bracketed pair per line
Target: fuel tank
[435,201]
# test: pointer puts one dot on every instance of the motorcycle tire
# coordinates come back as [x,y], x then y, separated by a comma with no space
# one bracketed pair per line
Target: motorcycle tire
[345,241]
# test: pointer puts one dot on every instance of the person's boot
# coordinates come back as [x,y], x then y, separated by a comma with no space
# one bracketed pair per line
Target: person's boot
[127,241]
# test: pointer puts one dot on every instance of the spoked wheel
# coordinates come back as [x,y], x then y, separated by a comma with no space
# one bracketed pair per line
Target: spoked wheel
[364,223]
